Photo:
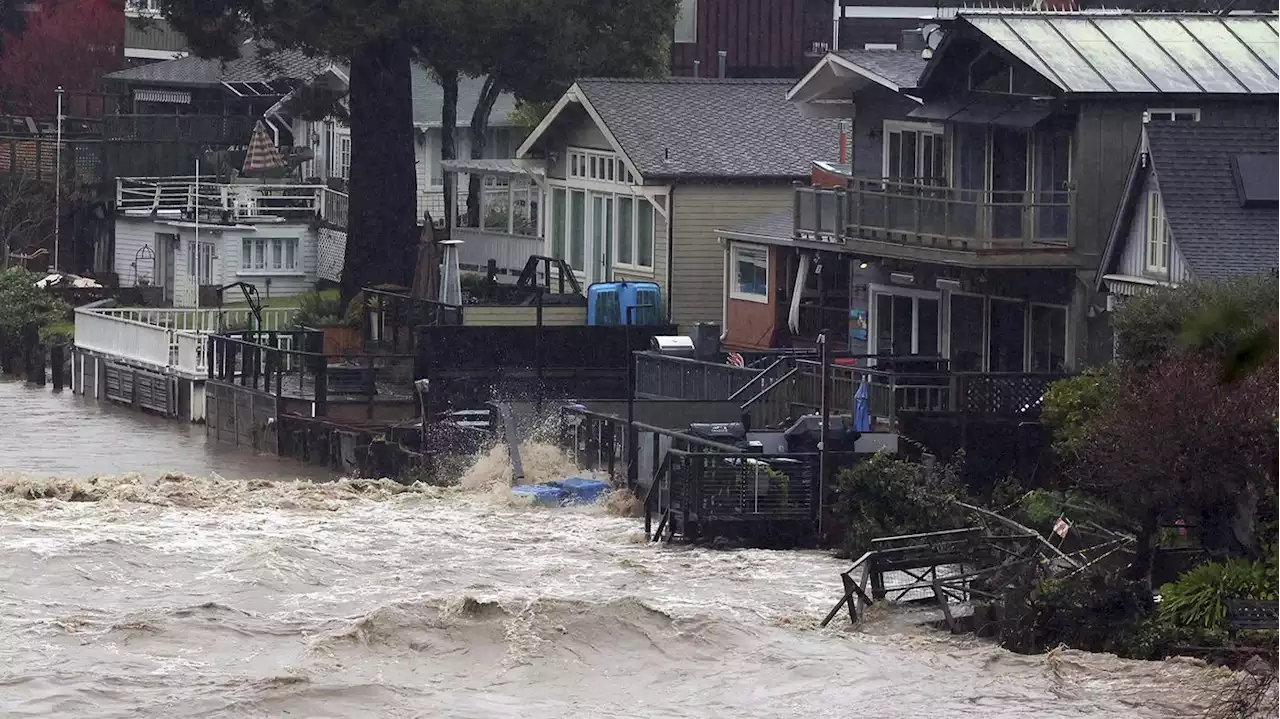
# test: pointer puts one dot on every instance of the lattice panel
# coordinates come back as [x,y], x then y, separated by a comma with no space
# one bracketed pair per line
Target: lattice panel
[330,250]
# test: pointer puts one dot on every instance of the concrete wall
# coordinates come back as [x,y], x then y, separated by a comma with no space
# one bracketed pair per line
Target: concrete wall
[697,258]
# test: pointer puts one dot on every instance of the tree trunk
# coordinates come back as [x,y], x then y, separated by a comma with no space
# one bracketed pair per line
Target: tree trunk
[1144,549]
[479,125]
[382,226]
[448,148]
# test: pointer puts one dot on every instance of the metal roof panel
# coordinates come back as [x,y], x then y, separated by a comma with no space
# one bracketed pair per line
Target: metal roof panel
[1126,52]
[1103,55]
[1067,62]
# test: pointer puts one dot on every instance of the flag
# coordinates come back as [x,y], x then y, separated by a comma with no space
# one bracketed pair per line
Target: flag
[736,360]
[1061,527]
[263,154]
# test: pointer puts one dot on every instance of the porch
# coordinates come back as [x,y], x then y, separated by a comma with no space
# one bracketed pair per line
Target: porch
[892,218]
[500,224]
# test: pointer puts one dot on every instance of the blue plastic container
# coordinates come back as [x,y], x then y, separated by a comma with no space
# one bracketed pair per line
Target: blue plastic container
[583,491]
[546,495]
[607,303]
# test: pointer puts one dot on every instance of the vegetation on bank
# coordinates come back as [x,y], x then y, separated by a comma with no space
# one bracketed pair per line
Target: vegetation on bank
[1172,446]
[23,304]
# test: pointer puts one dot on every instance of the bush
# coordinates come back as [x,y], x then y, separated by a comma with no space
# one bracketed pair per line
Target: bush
[1071,408]
[1198,599]
[884,497]
[22,303]
[325,308]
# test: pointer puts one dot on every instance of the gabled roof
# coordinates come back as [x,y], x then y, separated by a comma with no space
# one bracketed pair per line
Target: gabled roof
[1192,163]
[255,64]
[1138,53]
[700,128]
[839,74]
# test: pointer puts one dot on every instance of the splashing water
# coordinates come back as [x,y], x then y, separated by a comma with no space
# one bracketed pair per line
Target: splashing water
[202,596]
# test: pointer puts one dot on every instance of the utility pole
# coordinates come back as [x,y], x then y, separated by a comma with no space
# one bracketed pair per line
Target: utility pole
[57,184]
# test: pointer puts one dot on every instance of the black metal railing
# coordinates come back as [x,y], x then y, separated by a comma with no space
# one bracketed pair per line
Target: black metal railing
[659,375]
[390,319]
[293,365]
[928,214]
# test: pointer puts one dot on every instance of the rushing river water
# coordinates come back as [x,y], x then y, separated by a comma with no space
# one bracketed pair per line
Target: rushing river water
[212,584]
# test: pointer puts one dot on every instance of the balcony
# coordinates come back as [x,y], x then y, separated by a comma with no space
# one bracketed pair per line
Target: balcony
[899,219]
[180,197]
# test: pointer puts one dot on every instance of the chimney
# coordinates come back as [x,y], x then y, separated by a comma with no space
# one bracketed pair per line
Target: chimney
[723,60]
[913,40]
[697,68]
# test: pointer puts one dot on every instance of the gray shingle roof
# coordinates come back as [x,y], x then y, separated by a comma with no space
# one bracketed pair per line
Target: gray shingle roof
[711,128]
[900,67]
[428,99]
[1219,238]
[253,65]
[778,226]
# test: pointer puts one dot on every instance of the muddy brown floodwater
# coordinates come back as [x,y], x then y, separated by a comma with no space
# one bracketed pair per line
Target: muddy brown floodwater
[144,573]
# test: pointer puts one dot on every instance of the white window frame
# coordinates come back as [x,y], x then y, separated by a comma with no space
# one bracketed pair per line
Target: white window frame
[208,253]
[637,202]
[736,250]
[342,156]
[1066,334]
[597,166]
[1172,113]
[920,128]
[263,248]
[686,29]
[1156,247]
[873,334]
[880,46]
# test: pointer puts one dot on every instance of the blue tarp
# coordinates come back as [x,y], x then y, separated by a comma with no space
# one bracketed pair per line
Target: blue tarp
[574,490]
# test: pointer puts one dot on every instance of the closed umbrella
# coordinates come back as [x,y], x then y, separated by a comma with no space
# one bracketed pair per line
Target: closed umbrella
[263,155]
[861,408]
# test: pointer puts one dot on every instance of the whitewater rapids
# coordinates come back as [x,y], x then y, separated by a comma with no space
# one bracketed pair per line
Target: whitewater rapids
[208,597]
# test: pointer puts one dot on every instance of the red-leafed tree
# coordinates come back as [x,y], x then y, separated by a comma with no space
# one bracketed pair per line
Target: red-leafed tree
[1177,440]
[67,43]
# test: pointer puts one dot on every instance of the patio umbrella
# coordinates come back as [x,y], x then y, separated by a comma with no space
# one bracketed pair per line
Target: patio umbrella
[861,409]
[263,155]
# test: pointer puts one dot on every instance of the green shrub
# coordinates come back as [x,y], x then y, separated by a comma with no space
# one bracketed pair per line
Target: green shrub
[885,496]
[325,308]
[21,303]
[1198,598]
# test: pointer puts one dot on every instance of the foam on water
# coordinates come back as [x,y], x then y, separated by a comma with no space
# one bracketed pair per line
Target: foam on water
[196,595]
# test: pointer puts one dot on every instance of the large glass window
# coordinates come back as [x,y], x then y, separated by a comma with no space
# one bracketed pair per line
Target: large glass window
[578,230]
[1007,342]
[916,153]
[906,325]
[557,222]
[687,22]
[968,342]
[626,231]
[279,254]
[1157,234]
[750,274]
[1048,338]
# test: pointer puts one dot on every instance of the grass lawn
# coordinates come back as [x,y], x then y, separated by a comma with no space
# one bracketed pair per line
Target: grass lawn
[276,302]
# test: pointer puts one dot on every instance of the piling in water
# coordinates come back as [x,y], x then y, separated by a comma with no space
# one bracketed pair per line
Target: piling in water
[57,358]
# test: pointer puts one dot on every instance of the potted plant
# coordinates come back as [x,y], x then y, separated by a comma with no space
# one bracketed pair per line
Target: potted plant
[322,311]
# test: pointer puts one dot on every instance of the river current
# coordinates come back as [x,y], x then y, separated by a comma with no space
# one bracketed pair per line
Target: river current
[144,573]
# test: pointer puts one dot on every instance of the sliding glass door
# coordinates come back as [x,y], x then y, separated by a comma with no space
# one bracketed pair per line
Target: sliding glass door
[905,323]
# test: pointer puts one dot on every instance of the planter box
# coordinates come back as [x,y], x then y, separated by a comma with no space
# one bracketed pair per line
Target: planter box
[340,341]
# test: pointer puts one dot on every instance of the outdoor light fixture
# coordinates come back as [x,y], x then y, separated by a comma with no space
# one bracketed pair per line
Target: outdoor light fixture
[862,266]
[943,283]
[902,278]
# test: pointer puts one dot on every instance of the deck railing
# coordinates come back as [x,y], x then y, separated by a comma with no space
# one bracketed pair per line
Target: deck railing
[183,196]
[165,338]
[935,216]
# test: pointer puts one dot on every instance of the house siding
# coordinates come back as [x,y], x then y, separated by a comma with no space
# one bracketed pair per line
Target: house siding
[1106,138]
[875,105]
[697,258]
[133,234]
[480,316]
[1133,261]
[749,325]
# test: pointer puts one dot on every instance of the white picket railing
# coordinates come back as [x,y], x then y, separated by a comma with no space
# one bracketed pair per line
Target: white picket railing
[166,338]
[242,201]
[510,252]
